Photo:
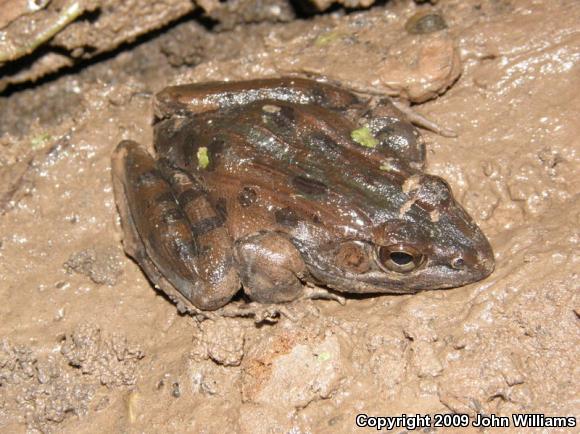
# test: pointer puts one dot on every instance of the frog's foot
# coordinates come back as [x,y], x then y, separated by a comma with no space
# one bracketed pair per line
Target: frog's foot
[261,313]
[421,121]
[314,292]
[172,231]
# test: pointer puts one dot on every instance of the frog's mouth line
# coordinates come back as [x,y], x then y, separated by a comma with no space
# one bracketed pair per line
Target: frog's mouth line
[376,281]
[372,283]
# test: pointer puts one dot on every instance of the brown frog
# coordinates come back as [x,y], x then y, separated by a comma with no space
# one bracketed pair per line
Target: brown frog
[270,184]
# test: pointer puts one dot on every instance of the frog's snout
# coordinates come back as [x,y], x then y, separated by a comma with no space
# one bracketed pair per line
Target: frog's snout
[476,263]
[461,254]
[485,261]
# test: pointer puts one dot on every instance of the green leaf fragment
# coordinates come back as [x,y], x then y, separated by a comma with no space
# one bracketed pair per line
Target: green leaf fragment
[202,158]
[327,38]
[40,140]
[323,357]
[364,137]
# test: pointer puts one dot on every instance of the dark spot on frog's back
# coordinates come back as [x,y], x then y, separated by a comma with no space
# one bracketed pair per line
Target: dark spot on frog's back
[280,118]
[319,96]
[189,196]
[221,208]
[174,137]
[206,225]
[216,146]
[322,144]
[247,196]
[286,217]
[287,112]
[309,186]
[214,152]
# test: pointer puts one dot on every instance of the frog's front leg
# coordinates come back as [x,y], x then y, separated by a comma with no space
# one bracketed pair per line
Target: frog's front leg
[172,230]
[270,267]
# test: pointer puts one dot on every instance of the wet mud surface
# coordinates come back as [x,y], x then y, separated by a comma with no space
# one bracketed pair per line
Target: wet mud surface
[86,345]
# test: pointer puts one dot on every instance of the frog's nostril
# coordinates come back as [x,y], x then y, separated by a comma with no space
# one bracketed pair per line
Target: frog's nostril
[458,263]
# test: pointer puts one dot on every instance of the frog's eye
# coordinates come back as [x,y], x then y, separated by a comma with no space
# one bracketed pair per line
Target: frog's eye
[399,258]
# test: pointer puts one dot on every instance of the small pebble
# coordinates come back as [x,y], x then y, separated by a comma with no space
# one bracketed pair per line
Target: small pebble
[422,23]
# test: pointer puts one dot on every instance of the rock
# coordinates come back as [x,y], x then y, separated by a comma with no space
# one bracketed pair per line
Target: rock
[221,340]
[291,370]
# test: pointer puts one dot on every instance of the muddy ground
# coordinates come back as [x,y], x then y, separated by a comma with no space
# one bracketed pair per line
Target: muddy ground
[86,344]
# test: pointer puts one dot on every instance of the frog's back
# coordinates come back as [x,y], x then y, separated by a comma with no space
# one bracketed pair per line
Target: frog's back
[293,162]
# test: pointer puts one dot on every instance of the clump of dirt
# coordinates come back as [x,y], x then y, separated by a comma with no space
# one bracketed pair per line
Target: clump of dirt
[74,29]
[504,75]
[101,264]
[46,387]
[229,14]
[44,36]
[185,45]
[221,341]
[111,358]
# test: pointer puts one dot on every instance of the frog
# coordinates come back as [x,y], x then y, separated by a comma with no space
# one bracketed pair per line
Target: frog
[269,187]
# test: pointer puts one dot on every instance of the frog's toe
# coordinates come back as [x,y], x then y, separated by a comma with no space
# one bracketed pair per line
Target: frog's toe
[315,293]
[423,122]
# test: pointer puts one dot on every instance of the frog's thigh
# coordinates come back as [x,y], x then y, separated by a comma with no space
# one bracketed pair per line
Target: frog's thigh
[162,238]
[270,266]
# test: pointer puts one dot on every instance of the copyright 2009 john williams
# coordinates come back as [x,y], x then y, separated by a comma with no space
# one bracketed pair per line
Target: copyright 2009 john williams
[458,420]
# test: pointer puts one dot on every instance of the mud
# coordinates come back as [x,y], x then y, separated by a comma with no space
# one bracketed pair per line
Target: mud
[71,29]
[88,345]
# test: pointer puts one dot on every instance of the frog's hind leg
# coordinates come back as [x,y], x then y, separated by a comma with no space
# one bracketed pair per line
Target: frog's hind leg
[172,231]
[203,97]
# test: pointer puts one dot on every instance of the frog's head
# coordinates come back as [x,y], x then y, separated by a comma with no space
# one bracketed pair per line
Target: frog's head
[430,242]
